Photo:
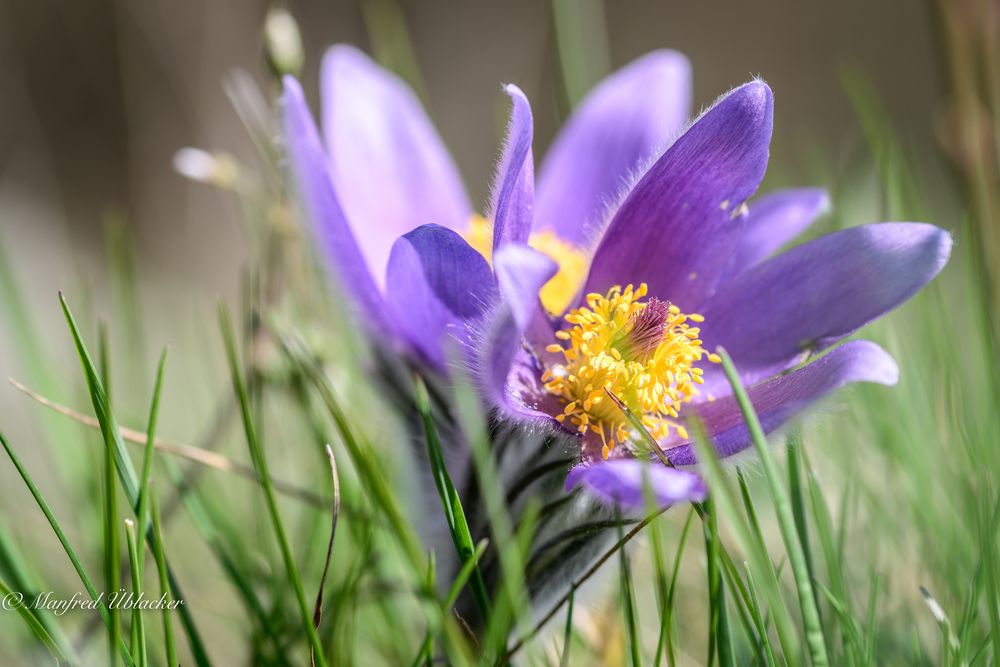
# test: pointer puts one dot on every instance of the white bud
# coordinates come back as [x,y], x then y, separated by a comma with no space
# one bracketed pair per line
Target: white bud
[283,42]
[216,169]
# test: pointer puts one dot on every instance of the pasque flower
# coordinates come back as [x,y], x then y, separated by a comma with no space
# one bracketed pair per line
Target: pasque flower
[648,255]
[379,171]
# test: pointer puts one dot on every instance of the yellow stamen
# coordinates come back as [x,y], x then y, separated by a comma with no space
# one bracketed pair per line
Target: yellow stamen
[557,294]
[644,352]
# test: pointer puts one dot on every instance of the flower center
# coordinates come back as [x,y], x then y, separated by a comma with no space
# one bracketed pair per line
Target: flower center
[559,292]
[644,352]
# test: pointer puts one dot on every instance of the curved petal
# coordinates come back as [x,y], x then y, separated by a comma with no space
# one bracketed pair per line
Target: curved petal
[520,273]
[312,176]
[779,399]
[679,226]
[630,484]
[514,190]
[618,127]
[819,292]
[389,164]
[774,220]
[436,285]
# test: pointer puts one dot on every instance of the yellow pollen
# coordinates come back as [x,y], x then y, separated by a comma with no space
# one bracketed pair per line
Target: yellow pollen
[643,351]
[557,294]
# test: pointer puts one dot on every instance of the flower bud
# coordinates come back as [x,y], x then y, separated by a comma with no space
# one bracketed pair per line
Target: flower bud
[283,42]
[218,169]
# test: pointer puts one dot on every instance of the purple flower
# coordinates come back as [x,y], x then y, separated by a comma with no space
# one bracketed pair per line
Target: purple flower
[614,282]
[380,172]
[694,260]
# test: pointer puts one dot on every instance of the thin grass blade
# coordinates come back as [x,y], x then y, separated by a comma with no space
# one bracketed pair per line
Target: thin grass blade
[335,481]
[450,501]
[62,653]
[138,624]
[161,571]
[628,600]
[815,639]
[123,464]
[260,462]
[67,547]
[147,458]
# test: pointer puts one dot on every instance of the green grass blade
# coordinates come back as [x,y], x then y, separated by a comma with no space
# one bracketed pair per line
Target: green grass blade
[666,629]
[62,653]
[797,492]
[260,462]
[426,654]
[20,579]
[568,631]
[758,618]
[450,501]
[660,571]
[512,597]
[823,525]
[460,581]
[520,642]
[723,496]
[462,578]
[719,636]
[361,455]
[719,629]
[628,600]
[582,43]
[102,406]
[210,526]
[138,624]
[871,624]
[67,547]
[743,602]
[147,458]
[112,545]
[752,603]
[854,643]
[123,464]
[815,638]
[371,473]
[335,514]
[989,523]
[750,508]
[161,571]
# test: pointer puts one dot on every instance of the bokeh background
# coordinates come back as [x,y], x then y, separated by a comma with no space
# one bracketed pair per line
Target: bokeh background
[99,94]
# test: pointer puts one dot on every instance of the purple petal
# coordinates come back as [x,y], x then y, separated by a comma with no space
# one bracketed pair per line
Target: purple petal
[389,165]
[774,220]
[628,483]
[514,190]
[779,399]
[676,229]
[520,273]
[311,173]
[619,125]
[436,285]
[819,292]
